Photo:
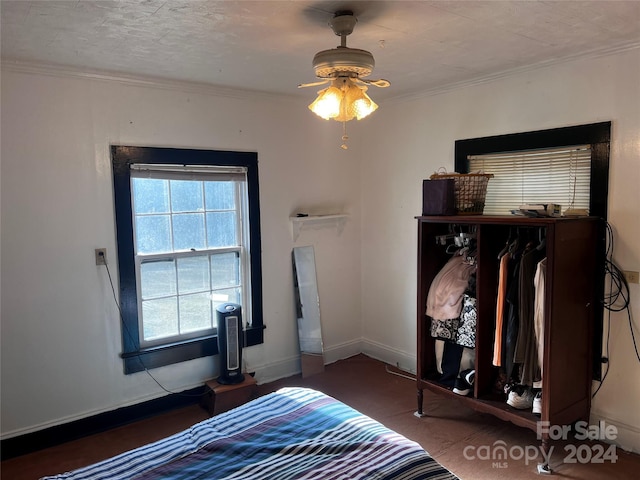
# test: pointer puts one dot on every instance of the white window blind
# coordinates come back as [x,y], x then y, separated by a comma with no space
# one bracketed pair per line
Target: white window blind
[557,175]
[188,172]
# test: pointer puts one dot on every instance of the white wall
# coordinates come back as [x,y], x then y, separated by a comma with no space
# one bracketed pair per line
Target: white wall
[410,140]
[60,333]
[60,326]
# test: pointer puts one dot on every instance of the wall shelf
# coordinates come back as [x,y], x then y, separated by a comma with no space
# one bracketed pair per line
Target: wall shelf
[317,221]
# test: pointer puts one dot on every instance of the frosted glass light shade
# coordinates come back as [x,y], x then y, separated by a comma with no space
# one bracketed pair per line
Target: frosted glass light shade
[343,101]
[356,103]
[327,105]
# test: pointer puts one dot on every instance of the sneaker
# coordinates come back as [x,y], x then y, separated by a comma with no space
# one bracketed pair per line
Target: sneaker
[469,376]
[537,403]
[464,382]
[508,387]
[520,397]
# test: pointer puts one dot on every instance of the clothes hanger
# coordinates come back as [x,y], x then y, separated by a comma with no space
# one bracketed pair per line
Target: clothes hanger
[542,239]
[505,249]
[453,249]
[515,244]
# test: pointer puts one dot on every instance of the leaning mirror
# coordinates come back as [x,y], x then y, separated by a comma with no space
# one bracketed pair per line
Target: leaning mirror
[308,310]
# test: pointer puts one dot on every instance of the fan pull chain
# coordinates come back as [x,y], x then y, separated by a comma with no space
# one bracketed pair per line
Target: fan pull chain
[345,137]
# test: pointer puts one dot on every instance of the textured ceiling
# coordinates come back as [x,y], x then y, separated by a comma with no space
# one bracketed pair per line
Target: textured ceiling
[268,45]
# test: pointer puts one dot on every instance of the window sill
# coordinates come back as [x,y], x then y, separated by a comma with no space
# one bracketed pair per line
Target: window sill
[160,356]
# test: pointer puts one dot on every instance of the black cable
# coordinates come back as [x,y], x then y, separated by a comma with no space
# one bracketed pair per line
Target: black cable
[607,356]
[617,280]
[126,328]
[617,300]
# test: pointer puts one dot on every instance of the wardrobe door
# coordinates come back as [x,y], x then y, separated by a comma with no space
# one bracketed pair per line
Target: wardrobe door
[570,308]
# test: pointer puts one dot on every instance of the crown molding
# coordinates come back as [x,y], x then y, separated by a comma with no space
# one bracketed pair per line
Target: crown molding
[228,92]
[137,80]
[604,52]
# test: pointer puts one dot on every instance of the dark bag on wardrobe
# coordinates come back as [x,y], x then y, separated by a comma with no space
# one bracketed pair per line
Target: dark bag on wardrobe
[438,197]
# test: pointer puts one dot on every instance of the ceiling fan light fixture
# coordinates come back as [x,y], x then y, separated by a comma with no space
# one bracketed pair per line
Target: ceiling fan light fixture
[343,101]
[327,105]
[358,103]
[346,99]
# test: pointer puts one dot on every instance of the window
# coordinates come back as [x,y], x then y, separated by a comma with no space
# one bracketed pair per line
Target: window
[551,175]
[597,136]
[188,240]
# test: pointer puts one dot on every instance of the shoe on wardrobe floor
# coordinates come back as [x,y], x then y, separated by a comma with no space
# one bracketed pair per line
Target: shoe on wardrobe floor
[537,403]
[464,382]
[520,397]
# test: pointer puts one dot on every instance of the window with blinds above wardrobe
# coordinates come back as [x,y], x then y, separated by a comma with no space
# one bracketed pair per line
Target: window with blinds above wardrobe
[595,135]
[559,175]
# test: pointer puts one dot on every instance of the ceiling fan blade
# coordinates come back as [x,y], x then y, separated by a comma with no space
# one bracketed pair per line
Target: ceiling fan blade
[382,83]
[314,84]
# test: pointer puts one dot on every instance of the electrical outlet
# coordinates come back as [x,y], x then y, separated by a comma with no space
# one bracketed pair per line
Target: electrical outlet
[632,277]
[101,256]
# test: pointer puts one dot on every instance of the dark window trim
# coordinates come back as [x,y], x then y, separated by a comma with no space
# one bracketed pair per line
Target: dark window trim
[137,359]
[598,135]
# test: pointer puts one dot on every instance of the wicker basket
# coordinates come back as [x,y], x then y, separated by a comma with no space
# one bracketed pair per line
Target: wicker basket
[470,191]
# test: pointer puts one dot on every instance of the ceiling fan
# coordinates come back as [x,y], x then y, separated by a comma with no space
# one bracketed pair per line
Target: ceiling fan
[343,67]
[344,61]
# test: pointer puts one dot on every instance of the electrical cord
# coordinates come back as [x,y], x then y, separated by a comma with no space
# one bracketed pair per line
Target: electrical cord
[128,332]
[617,300]
[619,288]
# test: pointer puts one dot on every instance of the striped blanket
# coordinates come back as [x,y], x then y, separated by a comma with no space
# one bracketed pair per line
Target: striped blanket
[294,433]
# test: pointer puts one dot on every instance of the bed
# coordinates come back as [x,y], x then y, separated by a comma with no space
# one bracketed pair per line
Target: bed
[294,433]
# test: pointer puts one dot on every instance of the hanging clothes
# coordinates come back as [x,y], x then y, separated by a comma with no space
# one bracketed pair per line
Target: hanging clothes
[467,362]
[539,283]
[454,283]
[445,329]
[501,304]
[451,358]
[466,334]
[444,300]
[510,333]
[525,352]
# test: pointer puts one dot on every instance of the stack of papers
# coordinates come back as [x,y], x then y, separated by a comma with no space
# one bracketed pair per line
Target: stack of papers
[539,210]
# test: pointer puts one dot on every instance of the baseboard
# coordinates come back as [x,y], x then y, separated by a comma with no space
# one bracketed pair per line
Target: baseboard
[49,437]
[288,367]
[342,351]
[628,436]
[270,372]
[403,360]
[100,422]
[58,434]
